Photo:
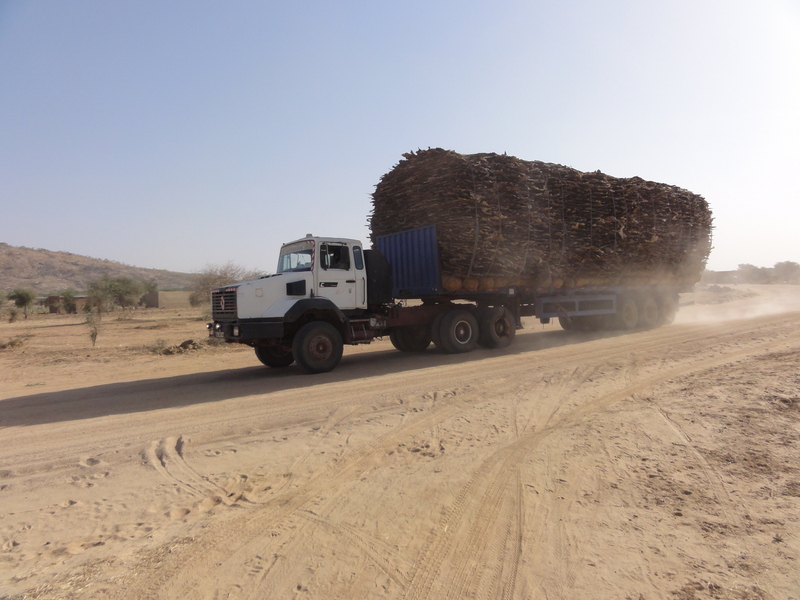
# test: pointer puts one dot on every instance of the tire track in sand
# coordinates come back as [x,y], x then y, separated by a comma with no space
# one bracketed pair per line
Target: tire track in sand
[462,531]
[489,483]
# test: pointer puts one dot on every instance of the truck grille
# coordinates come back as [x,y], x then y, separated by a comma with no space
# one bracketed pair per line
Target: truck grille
[223,303]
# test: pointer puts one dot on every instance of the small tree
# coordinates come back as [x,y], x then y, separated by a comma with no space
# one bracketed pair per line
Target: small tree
[93,321]
[67,303]
[23,299]
[126,292]
[108,291]
[150,287]
[752,274]
[214,276]
[787,272]
[99,296]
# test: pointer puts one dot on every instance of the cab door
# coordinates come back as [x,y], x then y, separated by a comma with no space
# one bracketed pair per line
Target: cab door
[361,276]
[337,278]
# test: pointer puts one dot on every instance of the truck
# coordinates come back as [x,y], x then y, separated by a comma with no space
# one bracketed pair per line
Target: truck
[328,292]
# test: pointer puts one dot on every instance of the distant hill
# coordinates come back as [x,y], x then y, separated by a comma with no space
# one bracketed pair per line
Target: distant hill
[45,271]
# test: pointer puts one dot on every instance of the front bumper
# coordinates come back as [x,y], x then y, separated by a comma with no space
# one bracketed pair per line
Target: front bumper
[246,331]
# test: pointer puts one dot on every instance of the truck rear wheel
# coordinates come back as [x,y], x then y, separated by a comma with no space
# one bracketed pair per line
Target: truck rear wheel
[318,347]
[458,331]
[648,312]
[627,316]
[411,338]
[498,327]
[668,310]
[274,356]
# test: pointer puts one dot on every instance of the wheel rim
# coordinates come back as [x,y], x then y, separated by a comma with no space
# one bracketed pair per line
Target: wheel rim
[320,348]
[501,327]
[463,332]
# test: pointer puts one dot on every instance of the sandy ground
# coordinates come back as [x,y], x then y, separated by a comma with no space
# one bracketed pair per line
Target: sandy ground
[653,464]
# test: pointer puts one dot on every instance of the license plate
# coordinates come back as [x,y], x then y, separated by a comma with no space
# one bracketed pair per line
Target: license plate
[219,334]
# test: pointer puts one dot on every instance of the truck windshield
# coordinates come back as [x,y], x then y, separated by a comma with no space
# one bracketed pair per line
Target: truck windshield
[296,257]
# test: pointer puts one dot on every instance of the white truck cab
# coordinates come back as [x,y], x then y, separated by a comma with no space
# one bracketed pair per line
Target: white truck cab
[305,311]
[312,267]
[334,266]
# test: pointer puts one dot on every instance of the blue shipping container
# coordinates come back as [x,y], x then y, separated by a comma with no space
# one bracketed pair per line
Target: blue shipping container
[414,258]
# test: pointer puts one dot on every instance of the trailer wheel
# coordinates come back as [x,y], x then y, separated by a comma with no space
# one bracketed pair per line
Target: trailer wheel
[274,356]
[591,322]
[458,331]
[648,312]
[317,347]
[411,338]
[627,316]
[566,323]
[498,327]
[668,310]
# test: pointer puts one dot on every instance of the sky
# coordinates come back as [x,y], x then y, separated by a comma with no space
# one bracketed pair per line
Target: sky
[183,134]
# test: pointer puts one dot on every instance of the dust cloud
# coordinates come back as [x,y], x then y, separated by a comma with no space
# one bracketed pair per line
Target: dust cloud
[714,303]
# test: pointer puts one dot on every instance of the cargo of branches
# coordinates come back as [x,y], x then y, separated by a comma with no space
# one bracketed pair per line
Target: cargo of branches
[464,247]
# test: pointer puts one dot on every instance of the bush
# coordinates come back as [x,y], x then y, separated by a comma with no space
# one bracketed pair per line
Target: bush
[14,342]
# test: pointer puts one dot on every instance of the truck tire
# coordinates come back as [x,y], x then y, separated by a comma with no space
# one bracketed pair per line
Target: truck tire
[498,327]
[274,356]
[411,338]
[648,312]
[418,338]
[566,323]
[397,340]
[436,327]
[627,316]
[668,310]
[458,331]
[317,347]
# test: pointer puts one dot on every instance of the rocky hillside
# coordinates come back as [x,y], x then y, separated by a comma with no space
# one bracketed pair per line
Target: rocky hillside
[45,271]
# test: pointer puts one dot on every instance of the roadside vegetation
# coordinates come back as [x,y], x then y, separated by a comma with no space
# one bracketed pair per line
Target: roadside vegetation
[213,276]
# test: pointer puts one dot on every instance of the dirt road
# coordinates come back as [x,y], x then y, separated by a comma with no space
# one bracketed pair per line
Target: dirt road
[655,464]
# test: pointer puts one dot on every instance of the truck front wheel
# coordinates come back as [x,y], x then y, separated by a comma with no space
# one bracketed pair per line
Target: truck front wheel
[317,347]
[274,356]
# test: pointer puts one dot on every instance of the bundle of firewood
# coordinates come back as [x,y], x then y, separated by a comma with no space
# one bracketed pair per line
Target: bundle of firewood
[504,221]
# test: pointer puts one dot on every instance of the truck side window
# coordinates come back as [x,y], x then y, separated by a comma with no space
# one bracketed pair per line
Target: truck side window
[336,257]
[358,258]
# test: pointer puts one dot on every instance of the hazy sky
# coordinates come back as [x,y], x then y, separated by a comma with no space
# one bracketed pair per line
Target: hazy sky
[180,134]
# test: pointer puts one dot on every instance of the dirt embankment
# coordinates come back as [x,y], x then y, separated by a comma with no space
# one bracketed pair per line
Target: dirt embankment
[655,464]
